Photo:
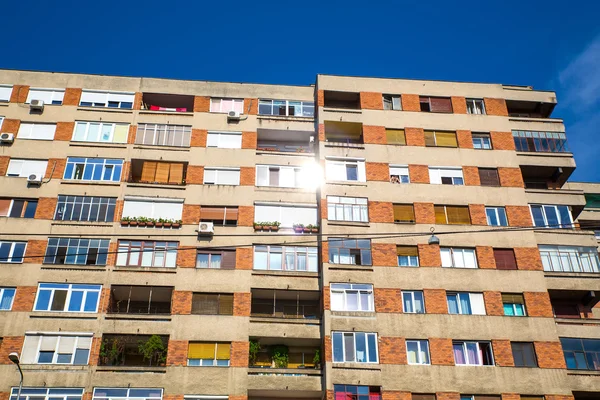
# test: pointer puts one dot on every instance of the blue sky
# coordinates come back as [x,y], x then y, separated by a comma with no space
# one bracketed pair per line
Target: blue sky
[551,45]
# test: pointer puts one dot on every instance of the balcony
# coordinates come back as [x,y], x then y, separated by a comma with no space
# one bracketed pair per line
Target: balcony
[542,174]
[285,141]
[157,172]
[529,109]
[162,102]
[574,307]
[128,300]
[133,352]
[342,100]
[344,134]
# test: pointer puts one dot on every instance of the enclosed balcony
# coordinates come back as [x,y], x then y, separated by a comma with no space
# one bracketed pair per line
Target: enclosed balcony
[285,304]
[157,172]
[127,352]
[574,305]
[167,102]
[343,134]
[540,174]
[285,141]
[529,109]
[344,100]
[140,300]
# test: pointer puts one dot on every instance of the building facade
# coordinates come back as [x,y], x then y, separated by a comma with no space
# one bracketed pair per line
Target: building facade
[358,238]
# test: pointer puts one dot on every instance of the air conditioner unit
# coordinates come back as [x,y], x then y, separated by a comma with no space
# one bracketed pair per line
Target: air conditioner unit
[233,115]
[7,137]
[206,228]
[34,179]
[37,105]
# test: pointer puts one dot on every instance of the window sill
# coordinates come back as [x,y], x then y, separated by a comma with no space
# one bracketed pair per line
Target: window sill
[305,274]
[97,144]
[358,146]
[63,315]
[347,183]
[164,270]
[342,110]
[4,103]
[545,154]
[577,321]
[106,109]
[350,267]
[284,153]
[556,274]
[582,372]
[95,183]
[282,189]
[344,314]
[355,365]
[139,317]
[566,231]
[54,367]
[82,223]
[155,186]
[286,118]
[74,267]
[157,147]
[164,112]
[295,321]
[348,223]
[118,368]
[292,372]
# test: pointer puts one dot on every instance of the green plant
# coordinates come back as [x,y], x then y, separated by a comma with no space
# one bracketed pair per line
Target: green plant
[280,355]
[141,219]
[275,223]
[317,358]
[126,219]
[153,349]
[162,220]
[111,351]
[298,226]
[253,352]
[178,221]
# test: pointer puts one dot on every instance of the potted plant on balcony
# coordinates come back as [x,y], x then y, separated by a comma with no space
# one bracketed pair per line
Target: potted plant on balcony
[167,223]
[253,352]
[314,228]
[125,221]
[150,222]
[111,352]
[317,359]
[133,221]
[177,223]
[275,226]
[280,355]
[259,226]
[308,228]
[142,221]
[298,228]
[153,350]
[159,223]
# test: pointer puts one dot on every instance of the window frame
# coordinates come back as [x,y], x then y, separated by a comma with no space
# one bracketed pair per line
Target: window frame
[447,221]
[125,248]
[435,138]
[31,128]
[474,106]
[563,254]
[235,103]
[309,255]
[394,101]
[350,255]
[24,210]
[473,297]
[359,164]
[297,171]
[23,162]
[496,178]
[413,301]
[100,255]
[345,289]
[462,250]
[210,254]
[201,361]
[216,177]
[3,294]
[11,253]
[125,105]
[70,288]
[482,137]
[343,335]
[219,137]
[302,104]
[362,208]
[513,305]
[56,96]
[412,262]
[218,300]
[56,354]
[101,126]
[533,354]
[583,354]
[399,174]
[72,203]
[173,130]
[544,215]
[479,352]
[52,393]
[446,173]
[498,212]
[127,391]
[74,165]
[421,343]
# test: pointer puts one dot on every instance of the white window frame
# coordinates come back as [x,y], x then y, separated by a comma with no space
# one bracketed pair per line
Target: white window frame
[413,302]
[359,163]
[118,97]
[11,253]
[297,103]
[214,361]
[53,393]
[167,251]
[480,137]
[367,335]
[216,174]
[496,211]
[401,172]
[394,100]
[568,224]
[114,163]
[311,253]
[422,347]
[69,288]
[413,261]
[175,135]
[436,174]
[216,139]
[51,97]
[458,252]
[299,173]
[218,107]
[1,121]
[348,207]
[38,170]
[27,130]
[478,352]
[133,209]
[475,110]
[285,213]
[112,126]
[5,93]
[476,303]
[3,290]
[127,397]
[342,291]
[565,258]
[81,339]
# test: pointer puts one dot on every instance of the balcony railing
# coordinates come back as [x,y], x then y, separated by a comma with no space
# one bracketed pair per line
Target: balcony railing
[284,309]
[541,142]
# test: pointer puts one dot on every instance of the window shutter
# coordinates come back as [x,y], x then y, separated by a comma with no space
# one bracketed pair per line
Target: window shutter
[201,350]
[505,259]
[429,138]
[28,355]
[4,207]
[489,177]
[404,213]
[84,342]
[440,214]
[225,304]
[395,136]
[148,171]
[212,213]
[477,304]
[176,173]
[458,215]
[228,259]
[48,343]
[205,304]
[231,213]
[446,139]
[223,351]
[441,104]
[423,396]
[66,344]
[513,298]
[407,251]
[162,172]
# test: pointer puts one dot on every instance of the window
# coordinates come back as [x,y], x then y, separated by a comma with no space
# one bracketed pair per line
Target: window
[435,104]
[417,352]
[286,108]
[352,297]
[475,106]
[42,393]
[18,208]
[352,392]
[76,251]
[395,136]
[523,354]
[209,354]
[285,258]
[221,176]
[147,254]
[286,215]
[135,300]
[85,208]
[446,176]
[569,259]
[48,96]
[90,98]
[496,216]
[65,297]
[482,141]
[23,168]
[149,207]
[345,170]
[100,132]
[452,215]
[127,394]
[440,139]
[404,213]
[162,172]
[489,177]
[280,176]
[224,140]
[30,130]
[226,105]
[12,252]
[350,251]
[221,216]
[408,256]
[54,349]
[548,142]
[399,174]
[505,259]
[548,216]
[455,257]
[163,135]
[392,102]
[581,353]
[223,259]
[212,304]
[5,93]
[7,296]
[412,302]
[351,209]
[360,347]
[465,303]
[93,169]
[472,353]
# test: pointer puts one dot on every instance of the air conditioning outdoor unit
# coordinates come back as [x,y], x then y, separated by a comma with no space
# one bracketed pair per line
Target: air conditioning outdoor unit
[206,228]
[7,137]
[34,179]
[233,115]
[36,105]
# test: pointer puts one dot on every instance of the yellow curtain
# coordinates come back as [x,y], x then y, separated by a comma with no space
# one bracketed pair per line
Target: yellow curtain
[446,139]
[201,350]
[148,171]
[458,215]
[429,138]
[440,215]
[176,173]
[404,213]
[121,132]
[162,173]
[407,250]
[395,136]
[223,351]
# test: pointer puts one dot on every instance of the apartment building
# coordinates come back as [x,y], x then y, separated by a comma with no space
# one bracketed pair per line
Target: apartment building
[359,238]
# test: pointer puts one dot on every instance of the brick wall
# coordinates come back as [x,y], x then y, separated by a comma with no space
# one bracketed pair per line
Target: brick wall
[371,101]
[4,160]
[485,257]
[72,97]
[126,171]
[464,138]
[410,102]
[194,175]
[239,354]
[321,132]
[518,216]
[388,300]
[186,257]
[320,98]
[435,301]
[24,298]
[374,134]
[247,176]
[137,100]
[380,211]
[559,397]
[447,396]
[414,136]
[10,344]
[471,175]
[528,258]
[511,177]
[190,214]
[429,255]
[326,296]
[177,352]
[111,259]
[384,254]
[418,173]
[131,134]
[424,213]
[46,207]
[56,167]
[377,171]
[393,395]
[477,213]
[392,350]
[34,249]
[495,107]
[245,216]
[537,304]
[64,131]
[198,138]
[502,141]
[493,303]
[19,94]
[328,348]
[441,351]
[11,125]
[503,353]
[243,258]
[459,105]
[241,304]
[104,302]
[201,103]
[181,302]
[249,140]
[251,106]
[95,351]
[549,355]
[511,396]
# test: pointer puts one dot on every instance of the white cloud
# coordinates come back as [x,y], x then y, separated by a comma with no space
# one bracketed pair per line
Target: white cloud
[580,80]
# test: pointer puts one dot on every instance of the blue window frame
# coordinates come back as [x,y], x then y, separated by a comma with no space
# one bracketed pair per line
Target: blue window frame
[496,216]
[12,252]
[93,169]
[40,393]
[551,216]
[67,297]
[581,354]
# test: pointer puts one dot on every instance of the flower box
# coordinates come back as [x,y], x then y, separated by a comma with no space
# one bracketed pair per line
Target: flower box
[176,225]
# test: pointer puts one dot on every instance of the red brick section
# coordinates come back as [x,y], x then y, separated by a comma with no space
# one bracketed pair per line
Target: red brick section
[471,175]
[181,302]
[377,171]
[559,397]
[131,134]
[198,138]
[424,213]
[230,397]
[11,126]
[392,350]
[247,176]
[502,141]
[447,396]
[194,175]
[485,257]
[326,296]
[324,208]
[537,304]
[528,258]
[374,134]
[72,97]
[35,251]
[441,351]
[429,255]
[503,353]
[414,136]
[464,138]
[186,257]
[249,140]
[10,344]
[239,354]
[320,98]
[511,177]
[493,303]
[6,396]
[394,395]
[137,101]
[435,301]
[201,103]
[191,214]
[252,105]
[511,396]
[4,160]
[459,105]
[549,355]
[243,258]
[328,348]
[126,171]
[380,211]
[95,351]
[64,131]
[384,255]
[241,304]
[45,208]
[321,132]
[118,209]
[181,397]
[371,101]
[24,298]
[104,301]
[245,216]
[55,168]
[388,300]
[518,216]
[177,353]
[111,259]
[325,251]
[410,102]
[418,173]
[477,213]
[495,107]
[19,94]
